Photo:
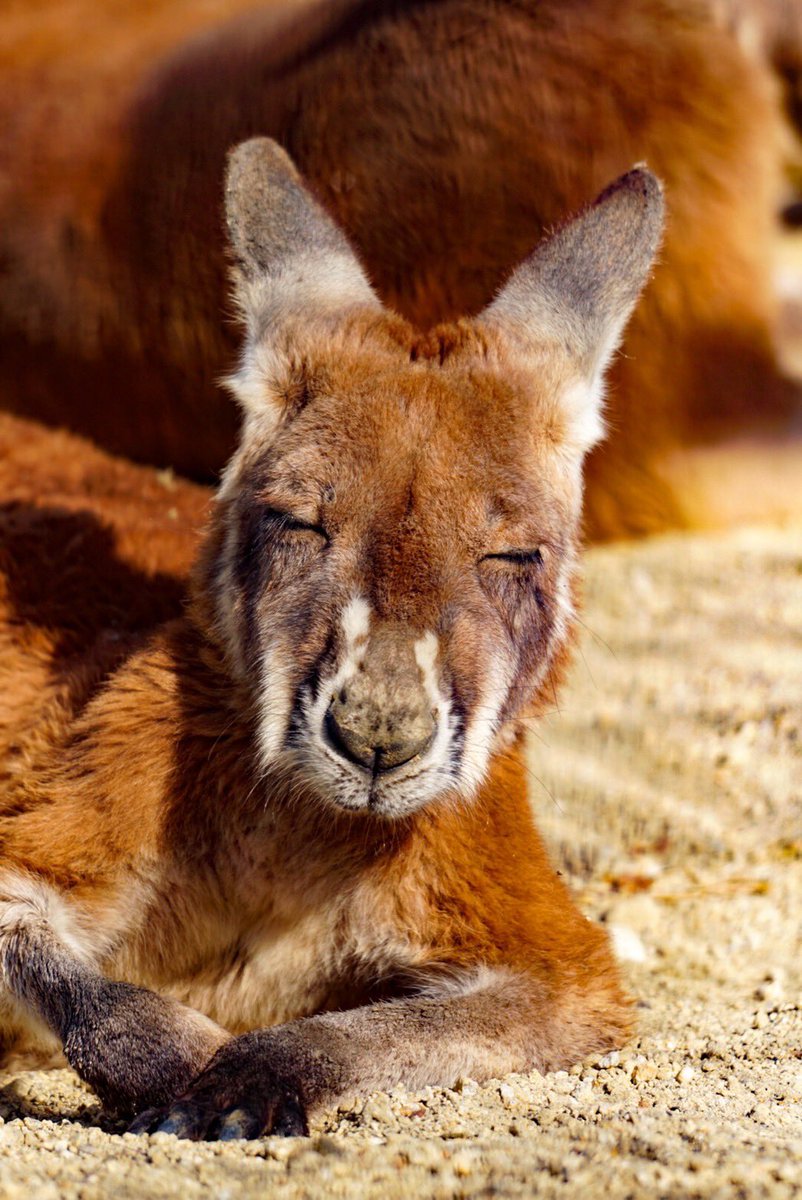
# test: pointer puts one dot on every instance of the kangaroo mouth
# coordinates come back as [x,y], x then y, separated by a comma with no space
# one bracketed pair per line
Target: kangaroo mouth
[385,777]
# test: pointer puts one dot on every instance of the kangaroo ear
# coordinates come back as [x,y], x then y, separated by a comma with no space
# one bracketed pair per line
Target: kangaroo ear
[578,288]
[290,259]
[291,265]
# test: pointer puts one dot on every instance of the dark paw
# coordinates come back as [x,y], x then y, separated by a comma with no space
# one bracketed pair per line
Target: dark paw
[245,1092]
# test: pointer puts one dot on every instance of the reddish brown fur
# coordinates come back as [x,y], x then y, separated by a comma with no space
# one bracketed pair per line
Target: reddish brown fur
[156,831]
[92,554]
[445,137]
[89,827]
[249,812]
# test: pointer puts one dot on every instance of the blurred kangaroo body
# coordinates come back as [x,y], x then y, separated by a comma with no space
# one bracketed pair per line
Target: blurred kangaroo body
[446,136]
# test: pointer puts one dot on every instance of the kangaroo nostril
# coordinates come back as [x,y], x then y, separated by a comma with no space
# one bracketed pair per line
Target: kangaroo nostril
[344,739]
[367,737]
[396,753]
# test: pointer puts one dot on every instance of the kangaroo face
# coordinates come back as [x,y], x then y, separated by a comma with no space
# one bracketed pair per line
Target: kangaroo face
[394,543]
[397,565]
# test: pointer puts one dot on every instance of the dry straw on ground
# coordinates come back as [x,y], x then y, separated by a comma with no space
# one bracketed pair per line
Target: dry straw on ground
[669,784]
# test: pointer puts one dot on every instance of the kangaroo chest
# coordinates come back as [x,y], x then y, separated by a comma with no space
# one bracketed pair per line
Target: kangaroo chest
[276,946]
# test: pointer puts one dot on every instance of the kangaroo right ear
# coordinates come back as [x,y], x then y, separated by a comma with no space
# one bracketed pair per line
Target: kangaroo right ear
[290,259]
[578,288]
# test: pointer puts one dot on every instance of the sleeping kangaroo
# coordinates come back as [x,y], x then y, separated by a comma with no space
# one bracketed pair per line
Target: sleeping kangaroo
[278,849]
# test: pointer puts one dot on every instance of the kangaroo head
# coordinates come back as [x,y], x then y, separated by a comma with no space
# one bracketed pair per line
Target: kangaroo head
[391,562]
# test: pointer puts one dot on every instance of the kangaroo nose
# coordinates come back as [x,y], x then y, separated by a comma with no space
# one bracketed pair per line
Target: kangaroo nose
[374,739]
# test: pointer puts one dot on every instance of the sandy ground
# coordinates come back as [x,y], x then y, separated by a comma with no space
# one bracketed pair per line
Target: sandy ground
[669,785]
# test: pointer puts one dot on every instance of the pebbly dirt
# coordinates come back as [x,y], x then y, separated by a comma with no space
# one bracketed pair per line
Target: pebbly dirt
[669,786]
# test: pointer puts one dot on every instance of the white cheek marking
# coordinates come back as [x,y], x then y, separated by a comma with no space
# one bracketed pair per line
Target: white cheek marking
[355,626]
[438,756]
[355,622]
[426,656]
[480,733]
[275,704]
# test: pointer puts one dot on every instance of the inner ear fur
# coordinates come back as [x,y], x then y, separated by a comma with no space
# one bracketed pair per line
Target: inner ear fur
[289,255]
[576,291]
[292,265]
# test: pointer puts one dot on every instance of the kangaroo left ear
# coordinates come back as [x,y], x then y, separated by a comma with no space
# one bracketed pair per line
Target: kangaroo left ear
[579,287]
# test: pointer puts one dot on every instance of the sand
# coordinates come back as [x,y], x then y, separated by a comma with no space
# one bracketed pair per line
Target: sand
[669,786]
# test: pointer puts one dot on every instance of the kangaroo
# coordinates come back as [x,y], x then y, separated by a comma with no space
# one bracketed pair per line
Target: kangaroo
[445,137]
[276,849]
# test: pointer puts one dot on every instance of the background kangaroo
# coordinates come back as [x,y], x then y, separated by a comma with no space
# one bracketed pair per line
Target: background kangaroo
[302,803]
[446,136]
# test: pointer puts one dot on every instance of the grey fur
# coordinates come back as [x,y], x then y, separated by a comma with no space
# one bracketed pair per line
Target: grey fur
[269,1080]
[290,256]
[271,216]
[578,288]
[133,1046]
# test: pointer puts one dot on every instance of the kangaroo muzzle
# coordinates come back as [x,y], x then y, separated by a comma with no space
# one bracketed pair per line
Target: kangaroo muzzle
[382,717]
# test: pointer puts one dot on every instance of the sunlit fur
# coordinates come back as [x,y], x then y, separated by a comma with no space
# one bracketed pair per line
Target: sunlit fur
[409,540]
[407,503]
[294,794]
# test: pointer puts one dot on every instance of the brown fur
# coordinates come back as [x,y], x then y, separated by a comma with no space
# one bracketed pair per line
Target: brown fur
[446,136]
[170,862]
[187,852]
